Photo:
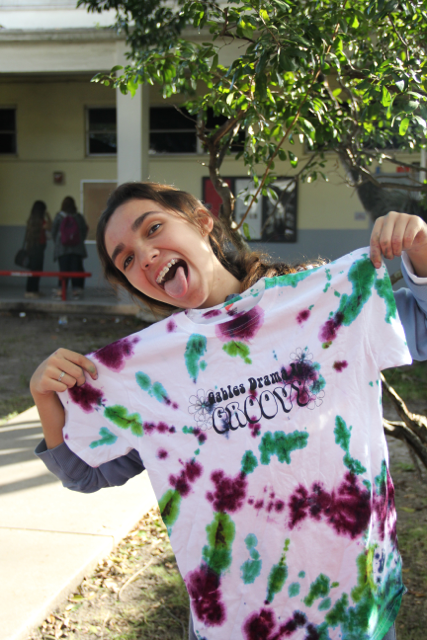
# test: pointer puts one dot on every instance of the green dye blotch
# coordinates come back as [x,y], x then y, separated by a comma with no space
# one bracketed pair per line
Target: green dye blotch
[371,384]
[194,351]
[143,380]
[362,277]
[251,569]
[294,589]
[197,451]
[251,541]
[233,300]
[335,584]
[342,438]
[235,348]
[381,478]
[288,280]
[385,291]
[169,505]
[249,462]
[159,392]
[155,390]
[318,589]
[119,416]
[107,437]
[325,604]
[220,533]
[203,365]
[338,614]
[328,284]
[318,384]
[301,574]
[337,294]
[278,575]
[353,465]
[187,429]
[281,444]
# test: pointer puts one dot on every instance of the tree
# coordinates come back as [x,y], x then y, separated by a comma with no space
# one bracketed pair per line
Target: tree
[341,76]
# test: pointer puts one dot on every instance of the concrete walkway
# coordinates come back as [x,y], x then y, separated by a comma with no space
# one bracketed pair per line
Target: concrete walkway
[50,537]
[95,301]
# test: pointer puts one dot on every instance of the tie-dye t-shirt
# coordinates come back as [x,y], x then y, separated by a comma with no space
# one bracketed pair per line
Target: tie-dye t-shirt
[259,422]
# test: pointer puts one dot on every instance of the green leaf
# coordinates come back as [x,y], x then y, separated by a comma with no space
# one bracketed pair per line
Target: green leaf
[403,126]
[386,99]
[246,231]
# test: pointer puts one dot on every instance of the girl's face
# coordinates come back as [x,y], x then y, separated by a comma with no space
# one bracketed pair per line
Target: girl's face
[165,257]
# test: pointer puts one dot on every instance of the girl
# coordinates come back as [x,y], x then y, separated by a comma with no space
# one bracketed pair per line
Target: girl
[256,412]
[38,224]
[69,232]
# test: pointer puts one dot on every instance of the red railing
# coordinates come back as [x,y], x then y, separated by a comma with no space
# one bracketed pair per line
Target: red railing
[62,275]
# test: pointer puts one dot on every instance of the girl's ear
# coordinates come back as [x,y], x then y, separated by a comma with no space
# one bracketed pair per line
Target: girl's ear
[206,223]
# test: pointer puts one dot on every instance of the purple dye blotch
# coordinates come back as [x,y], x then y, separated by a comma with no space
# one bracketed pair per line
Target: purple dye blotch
[243,327]
[114,355]
[86,397]
[229,494]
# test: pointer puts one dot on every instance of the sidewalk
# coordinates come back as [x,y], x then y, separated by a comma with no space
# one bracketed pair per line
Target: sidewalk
[51,537]
[97,301]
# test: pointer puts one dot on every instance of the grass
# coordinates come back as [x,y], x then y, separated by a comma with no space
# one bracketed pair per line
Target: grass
[409,381]
[11,407]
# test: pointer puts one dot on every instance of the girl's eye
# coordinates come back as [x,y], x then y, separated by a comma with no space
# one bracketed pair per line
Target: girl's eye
[154,228]
[127,262]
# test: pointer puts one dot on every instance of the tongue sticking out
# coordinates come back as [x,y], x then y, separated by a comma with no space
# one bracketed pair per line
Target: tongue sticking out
[177,286]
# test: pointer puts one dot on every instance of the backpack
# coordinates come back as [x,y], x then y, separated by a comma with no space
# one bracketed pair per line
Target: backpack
[69,231]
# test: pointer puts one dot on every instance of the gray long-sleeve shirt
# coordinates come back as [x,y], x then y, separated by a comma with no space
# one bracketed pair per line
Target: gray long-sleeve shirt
[77,475]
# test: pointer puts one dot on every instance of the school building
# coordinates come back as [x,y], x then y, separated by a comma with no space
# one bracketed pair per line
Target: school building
[62,135]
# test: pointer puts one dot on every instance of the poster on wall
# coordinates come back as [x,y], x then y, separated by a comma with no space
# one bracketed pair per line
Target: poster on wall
[270,219]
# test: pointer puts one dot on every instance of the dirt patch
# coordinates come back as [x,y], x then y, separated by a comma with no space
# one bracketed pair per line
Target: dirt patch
[137,592]
[26,340]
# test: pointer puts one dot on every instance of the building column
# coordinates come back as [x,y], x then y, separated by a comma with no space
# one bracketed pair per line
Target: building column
[133,131]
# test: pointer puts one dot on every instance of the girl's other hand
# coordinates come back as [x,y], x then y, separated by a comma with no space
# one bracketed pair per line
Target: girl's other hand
[62,370]
[397,232]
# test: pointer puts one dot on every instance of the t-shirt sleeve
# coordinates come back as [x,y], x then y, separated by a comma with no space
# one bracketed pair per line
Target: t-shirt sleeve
[384,331]
[97,425]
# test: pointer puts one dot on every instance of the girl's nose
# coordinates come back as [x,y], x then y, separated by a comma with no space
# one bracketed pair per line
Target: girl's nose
[147,257]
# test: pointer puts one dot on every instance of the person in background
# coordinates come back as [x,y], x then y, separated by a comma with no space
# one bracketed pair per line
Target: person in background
[69,233]
[38,224]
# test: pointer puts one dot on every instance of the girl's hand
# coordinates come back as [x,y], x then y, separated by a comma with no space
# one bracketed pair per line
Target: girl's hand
[62,370]
[397,232]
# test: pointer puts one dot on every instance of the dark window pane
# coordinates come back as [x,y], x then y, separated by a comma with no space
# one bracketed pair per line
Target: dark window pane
[102,118]
[213,121]
[7,143]
[7,120]
[184,142]
[102,143]
[167,118]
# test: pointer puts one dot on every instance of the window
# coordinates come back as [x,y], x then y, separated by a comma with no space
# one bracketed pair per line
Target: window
[270,219]
[214,121]
[7,131]
[172,131]
[101,131]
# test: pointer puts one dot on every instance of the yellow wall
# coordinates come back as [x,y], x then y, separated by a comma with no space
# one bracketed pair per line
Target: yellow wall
[51,137]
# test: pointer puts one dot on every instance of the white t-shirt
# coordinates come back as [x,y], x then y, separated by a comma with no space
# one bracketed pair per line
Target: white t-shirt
[259,422]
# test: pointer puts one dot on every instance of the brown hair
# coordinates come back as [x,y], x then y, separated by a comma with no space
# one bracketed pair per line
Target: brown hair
[35,224]
[247,266]
[68,205]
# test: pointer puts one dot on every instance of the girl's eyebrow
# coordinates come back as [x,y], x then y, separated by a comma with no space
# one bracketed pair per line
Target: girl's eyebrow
[138,222]
[134,227]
